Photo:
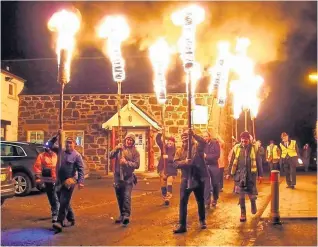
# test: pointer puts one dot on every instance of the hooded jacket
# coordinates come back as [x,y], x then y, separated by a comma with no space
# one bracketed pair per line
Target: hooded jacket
[170,151]
[196,166]
[131,155]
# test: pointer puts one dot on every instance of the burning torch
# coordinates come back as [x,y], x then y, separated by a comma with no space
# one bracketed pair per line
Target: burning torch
[65,24]
[220,76]
[188,18]
[159,56]
[116,30]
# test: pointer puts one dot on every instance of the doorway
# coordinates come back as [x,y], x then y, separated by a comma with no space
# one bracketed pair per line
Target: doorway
[141,147]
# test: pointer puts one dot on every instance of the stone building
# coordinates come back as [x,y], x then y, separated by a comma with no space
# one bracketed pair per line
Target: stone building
[92,120]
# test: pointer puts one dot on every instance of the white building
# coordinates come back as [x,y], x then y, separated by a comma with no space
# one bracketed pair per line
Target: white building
[11,87]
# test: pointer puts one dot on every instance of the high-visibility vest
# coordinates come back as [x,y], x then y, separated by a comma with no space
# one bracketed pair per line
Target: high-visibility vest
[237,151]
[290,150]
[272,153]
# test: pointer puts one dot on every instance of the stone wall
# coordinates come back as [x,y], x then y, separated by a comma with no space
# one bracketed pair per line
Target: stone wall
[88,112]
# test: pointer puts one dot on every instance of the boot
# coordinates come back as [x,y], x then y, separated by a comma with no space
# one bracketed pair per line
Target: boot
[243,209]
[214,202]
[125,221]
[253,207]
[180,229]
[203,224]
[167,202]
[58,227]
[119,220]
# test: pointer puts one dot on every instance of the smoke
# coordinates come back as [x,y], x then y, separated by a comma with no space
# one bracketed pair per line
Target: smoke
[266,24]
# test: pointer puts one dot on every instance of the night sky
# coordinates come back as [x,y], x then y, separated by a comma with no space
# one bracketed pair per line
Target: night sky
[284,46]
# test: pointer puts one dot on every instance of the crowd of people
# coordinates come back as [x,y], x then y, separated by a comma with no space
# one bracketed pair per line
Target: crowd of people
[202,172]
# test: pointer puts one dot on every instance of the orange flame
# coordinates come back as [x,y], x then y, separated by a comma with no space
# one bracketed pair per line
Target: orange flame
[66,24]
[159,56]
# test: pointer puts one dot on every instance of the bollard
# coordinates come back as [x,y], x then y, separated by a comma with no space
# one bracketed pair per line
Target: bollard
[275,217]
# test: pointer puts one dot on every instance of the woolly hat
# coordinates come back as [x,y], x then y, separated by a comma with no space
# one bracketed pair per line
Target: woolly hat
[245,135]
[184,137]
[131,136]
[171,138]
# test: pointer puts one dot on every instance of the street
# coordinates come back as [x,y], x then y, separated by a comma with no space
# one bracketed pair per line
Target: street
[26,220]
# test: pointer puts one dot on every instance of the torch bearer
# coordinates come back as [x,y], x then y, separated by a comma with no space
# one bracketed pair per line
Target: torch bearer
[159,56]
[66,24]
[116,30]
[188,18]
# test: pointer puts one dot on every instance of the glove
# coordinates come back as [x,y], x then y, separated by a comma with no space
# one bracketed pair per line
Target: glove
[69,182]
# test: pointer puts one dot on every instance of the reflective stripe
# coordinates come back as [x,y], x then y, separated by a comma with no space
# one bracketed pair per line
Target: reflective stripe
[237,150]
[290,150]
[275,153]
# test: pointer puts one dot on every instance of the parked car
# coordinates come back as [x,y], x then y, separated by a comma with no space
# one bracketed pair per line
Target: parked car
[21,157]
[7,184]
[313,160]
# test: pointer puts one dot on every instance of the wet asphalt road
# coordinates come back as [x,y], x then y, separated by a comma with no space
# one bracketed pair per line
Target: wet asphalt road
[26,220]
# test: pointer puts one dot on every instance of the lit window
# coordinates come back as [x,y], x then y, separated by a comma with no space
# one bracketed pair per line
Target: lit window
[78,136]
[200,115]
[36,136]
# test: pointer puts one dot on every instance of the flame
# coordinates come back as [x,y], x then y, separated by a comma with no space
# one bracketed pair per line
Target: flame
[195,11]
[188,18]
[159,54]
[116,30]
[220,72]
[66,24]
[246,89]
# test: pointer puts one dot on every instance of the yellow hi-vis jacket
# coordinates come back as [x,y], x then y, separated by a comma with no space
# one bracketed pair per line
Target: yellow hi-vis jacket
[237,151]
[272,153]
[290,150]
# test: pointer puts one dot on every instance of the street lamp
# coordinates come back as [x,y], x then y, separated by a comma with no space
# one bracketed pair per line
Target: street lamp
[65,24]
[313,77]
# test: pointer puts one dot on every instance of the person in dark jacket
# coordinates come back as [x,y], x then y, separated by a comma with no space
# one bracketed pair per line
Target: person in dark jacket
[72,166]
[305,156]
[167,171]
[127,158]
[192,180]
[245,167]
[211,157]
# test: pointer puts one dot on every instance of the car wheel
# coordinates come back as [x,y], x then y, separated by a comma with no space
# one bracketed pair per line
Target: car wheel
[22,184]
[2,201]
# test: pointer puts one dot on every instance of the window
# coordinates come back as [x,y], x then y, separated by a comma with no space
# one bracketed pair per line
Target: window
[12,151]
[78,136]
[200,115]
[12,90]
[36,136]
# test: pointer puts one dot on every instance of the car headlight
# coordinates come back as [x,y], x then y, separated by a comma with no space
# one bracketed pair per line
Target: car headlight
[300,161]
[315,159]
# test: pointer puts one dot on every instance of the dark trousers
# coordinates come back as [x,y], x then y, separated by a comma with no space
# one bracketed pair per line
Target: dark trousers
[273,166]
[53,198]
[221,177]
[184,199]
[212,184]
[123,193]
[290,170]
[65,196]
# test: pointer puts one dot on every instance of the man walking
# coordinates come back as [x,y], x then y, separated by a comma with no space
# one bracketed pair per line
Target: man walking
[289,158]
[211,157]
[165,168]
[273,156]
[192,180]
[306,152]
[71,166]
[127,159]
[244,169]
[45,172]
